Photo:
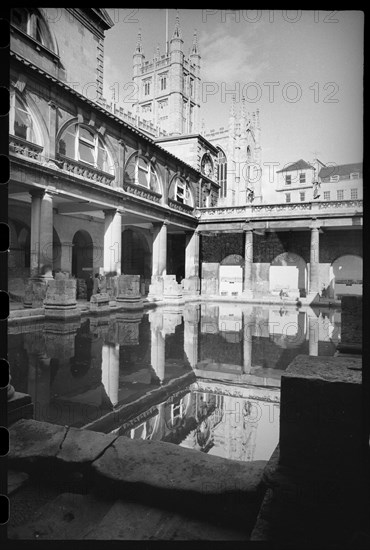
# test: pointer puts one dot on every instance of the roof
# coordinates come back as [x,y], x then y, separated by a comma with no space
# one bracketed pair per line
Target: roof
[299,165]
[104,17]
[341,170]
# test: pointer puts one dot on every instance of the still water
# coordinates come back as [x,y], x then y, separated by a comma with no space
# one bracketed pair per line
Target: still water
[203,376]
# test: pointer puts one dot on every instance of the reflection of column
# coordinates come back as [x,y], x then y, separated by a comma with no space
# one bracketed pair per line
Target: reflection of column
[314,260]
[248,260]
[112,242]
[247,341]
[192,255]
[110,371]
[313,336]
[39,383]
[191,321]
[159,263]
[157,352]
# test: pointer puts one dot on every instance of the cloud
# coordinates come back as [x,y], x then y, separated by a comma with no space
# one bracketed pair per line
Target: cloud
[230,57]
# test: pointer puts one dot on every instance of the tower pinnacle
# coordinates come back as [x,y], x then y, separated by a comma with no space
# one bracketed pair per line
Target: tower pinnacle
[194,48]
[139,48]
[177,30]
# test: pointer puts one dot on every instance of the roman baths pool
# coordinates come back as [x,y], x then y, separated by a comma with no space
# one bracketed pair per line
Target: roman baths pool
[204,376]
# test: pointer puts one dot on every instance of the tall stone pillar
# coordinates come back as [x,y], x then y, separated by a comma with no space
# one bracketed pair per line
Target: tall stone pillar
[248,261]
[46,236]
[159,260]
[66,256]
[36,197]
[314,261]
[112,242]
[191,283]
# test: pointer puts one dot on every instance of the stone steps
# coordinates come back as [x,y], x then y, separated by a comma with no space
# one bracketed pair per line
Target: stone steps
[175,480]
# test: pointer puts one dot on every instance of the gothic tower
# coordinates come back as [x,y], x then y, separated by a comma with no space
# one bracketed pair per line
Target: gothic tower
[168,88]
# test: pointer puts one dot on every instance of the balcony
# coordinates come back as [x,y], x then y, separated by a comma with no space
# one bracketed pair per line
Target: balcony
[183,208]
[20,146]
[142,192]
[298,209]
[78,168]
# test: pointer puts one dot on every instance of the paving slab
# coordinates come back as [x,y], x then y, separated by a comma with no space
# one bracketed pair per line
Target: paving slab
[16,480]
[32,441]
[83,446]
[183,479]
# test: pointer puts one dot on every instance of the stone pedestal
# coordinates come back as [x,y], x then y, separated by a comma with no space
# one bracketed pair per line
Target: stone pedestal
[99,303]
[172,291]
[191,285]
[210,286]
[128,292]
[60,300]
[35,293]
[156,289]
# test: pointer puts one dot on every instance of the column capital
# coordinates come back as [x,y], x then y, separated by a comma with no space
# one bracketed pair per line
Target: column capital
[38,193]
[113,211]
[247,226]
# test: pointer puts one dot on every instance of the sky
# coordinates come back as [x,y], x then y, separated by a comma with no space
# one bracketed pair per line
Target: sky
[303,70]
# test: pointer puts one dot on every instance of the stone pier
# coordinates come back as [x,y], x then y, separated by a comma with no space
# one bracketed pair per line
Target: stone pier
[60,300]
[128,292]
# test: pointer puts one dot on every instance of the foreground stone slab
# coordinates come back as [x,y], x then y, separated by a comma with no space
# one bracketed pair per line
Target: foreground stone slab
[16,480]
[83,446]
[166,475]
[32,441]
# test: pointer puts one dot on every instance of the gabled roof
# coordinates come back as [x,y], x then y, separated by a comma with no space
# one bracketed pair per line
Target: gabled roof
[299,165]
[340,170]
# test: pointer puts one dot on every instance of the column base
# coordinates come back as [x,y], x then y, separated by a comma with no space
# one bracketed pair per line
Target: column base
[191,285]
[247,293]
[35,292]
[129,302]
[156,289]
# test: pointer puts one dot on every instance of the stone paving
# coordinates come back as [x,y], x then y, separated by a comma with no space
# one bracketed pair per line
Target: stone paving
[158,490]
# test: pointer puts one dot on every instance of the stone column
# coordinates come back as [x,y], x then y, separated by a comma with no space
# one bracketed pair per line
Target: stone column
[191,283]
[159,260]
[313,336]
[314,261]
[248,261]
[112,242]
[66,256]
[36,197]
[46,236]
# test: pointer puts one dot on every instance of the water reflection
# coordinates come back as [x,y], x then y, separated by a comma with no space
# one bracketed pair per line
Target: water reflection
[202,376]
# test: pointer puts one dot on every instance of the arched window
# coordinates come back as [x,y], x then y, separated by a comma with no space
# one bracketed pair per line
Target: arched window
[182,192]
[31,22]
[222,173]
[141,171]
[84,144]
[21,122]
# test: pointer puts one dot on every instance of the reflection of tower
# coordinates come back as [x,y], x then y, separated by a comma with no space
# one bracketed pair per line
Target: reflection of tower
[191,322]
[110,371]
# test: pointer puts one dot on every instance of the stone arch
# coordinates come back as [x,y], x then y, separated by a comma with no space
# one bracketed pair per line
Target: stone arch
[82,254]
[346,274]
[288,271]
[130,172]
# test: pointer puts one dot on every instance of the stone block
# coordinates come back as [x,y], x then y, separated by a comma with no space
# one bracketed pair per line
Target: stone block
[35,293]
[82,446]
[129,293]
[183,479]
[320,417]
[99,303]
[32,441]
[209,286]
[156,289]
[171,289]
[60,300]
[191,285]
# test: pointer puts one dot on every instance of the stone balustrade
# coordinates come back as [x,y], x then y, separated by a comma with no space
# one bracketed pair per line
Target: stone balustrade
[142,192]
[183,208]
[25,148]
[88,172]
